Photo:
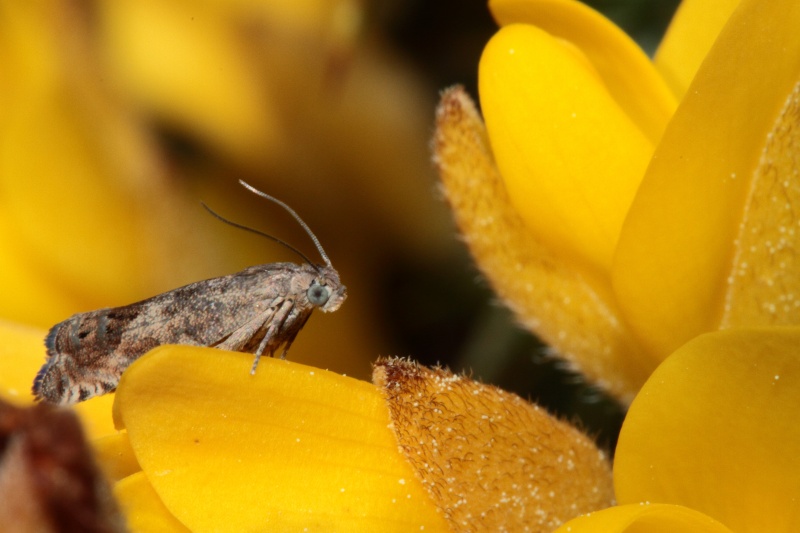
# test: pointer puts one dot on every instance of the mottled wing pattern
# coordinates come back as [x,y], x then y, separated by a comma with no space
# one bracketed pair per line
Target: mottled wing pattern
[251,310]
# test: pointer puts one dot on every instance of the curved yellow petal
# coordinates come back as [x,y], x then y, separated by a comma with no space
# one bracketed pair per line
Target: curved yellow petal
[714,429]
[625,70]
[544,106]
[290,447]
[144,512]
[675,253]
[95,414]
[644,518]
[115,456]
[690,35]
[571,311]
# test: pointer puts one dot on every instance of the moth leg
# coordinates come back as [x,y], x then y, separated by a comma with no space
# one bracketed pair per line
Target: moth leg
[288,345]
[293,336]
[274,327]
[237,340]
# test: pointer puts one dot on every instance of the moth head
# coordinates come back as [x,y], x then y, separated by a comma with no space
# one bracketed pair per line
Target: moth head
[326,291]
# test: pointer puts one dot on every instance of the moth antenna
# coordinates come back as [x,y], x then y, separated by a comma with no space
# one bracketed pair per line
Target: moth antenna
[296,217]
[257,232]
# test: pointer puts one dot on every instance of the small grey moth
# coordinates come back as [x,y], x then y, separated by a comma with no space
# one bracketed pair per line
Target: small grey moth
[255,311]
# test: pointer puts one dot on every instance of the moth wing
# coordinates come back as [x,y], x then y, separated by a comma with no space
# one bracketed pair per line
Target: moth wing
[87,353]
[207,313]
[242,337]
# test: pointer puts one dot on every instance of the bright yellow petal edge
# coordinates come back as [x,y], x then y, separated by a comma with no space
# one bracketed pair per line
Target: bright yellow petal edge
[625,69]
[115,455]
[690,35]
[715,429]
[144,511]
[644,517]
[569,309]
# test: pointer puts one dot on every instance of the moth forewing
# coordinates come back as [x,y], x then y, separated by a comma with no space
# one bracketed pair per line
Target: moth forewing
[257,310]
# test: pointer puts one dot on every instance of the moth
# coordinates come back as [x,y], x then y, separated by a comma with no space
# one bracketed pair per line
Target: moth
[255,311]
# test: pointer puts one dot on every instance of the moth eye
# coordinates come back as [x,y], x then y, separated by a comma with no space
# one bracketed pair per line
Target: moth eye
[318,295]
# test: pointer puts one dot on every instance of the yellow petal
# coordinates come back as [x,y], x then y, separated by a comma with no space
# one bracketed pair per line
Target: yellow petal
[690,35]
[625,70]
[570,311]
[95,415]
[144,512]
[490,460]
[675,254]
[291,447]
[115,456]
[544,106]
[649,518]
[714,429]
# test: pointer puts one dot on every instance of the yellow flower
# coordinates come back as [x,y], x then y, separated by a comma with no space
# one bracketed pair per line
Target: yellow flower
[710,443]
[623,207]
